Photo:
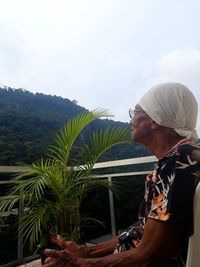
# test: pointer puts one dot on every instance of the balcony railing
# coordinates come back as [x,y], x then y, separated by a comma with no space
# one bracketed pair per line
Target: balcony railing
[102,165]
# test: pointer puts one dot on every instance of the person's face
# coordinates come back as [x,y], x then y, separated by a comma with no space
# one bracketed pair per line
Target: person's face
[141,125]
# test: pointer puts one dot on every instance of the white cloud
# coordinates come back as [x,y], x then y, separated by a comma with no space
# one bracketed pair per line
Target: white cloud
[177,66]
[181,66]
[101,53]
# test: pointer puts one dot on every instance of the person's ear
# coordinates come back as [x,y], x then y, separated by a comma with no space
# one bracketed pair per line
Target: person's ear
[154,125]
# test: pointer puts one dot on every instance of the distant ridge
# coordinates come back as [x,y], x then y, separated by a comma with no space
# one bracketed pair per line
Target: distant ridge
[28,123]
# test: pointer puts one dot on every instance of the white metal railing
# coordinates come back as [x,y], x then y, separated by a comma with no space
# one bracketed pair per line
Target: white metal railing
[100,165]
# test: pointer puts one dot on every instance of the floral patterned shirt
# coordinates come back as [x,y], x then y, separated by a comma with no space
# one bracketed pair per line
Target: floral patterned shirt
[169,191]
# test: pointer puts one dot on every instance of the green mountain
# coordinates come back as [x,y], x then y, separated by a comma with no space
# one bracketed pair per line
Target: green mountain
[29,122]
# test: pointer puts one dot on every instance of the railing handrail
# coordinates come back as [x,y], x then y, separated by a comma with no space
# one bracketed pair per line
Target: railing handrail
[125,162]
[98,165]
[13,169]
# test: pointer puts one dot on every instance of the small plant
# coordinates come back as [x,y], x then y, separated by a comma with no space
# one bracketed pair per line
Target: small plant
[53,189]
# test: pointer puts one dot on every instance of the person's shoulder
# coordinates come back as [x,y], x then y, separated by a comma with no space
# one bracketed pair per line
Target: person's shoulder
[191,149]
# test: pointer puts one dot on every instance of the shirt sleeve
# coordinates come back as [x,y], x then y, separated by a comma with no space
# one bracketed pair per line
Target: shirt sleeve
[172,197]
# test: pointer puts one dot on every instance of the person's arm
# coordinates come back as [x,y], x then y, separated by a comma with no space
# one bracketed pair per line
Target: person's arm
[102,249]
[97,250]
[160,242]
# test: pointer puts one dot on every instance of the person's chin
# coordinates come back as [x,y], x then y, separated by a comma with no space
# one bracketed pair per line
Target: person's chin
[134,137]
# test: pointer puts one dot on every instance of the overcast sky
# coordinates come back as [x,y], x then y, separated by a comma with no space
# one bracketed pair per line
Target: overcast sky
[103,53]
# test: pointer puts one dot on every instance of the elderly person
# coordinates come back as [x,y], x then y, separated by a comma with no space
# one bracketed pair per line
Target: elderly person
[164,121]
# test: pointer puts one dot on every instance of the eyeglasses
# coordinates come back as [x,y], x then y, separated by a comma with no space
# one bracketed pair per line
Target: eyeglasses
[132,112]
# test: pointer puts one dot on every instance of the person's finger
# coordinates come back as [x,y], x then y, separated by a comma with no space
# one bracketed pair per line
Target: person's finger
[62,254]
[57,240]
[48,260]
[53,236]
[52,253]
[60,243]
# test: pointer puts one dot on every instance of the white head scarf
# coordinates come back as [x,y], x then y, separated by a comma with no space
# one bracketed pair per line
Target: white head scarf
[172,105]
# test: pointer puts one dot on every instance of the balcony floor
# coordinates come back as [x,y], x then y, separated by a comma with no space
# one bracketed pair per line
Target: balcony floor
[36,263]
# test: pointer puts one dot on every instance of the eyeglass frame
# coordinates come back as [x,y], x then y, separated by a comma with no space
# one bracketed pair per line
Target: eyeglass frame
[132,112]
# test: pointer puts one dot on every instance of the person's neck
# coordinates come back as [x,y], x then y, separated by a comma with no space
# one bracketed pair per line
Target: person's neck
[161,146]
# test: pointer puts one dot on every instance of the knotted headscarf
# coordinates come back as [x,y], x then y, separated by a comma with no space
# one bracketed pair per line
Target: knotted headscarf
[172,105]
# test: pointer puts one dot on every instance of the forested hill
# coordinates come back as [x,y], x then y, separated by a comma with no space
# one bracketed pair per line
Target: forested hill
[28,123]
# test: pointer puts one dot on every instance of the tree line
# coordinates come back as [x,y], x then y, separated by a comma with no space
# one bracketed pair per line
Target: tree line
[29,123]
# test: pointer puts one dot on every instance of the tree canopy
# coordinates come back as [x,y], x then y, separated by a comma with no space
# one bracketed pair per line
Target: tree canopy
[29,123]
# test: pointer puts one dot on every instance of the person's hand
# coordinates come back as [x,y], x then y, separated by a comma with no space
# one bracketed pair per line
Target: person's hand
[70,246]
[61,258]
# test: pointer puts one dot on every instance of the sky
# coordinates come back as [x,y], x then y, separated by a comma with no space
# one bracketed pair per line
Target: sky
[102,53]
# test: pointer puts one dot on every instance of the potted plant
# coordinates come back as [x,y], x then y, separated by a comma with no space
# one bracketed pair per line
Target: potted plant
[52,189]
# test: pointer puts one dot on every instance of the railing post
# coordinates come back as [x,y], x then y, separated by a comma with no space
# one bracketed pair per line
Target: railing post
[112,210]
[20,234]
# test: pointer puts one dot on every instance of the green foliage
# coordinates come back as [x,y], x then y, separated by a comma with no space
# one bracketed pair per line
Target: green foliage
[53,189]
[29,123]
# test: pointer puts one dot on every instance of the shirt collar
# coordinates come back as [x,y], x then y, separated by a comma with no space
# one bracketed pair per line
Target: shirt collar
[173,150]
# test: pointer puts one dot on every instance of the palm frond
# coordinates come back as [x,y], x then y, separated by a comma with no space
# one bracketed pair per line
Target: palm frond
[34,181]
[66,137]
[100,142]
[7,203]
[34,222]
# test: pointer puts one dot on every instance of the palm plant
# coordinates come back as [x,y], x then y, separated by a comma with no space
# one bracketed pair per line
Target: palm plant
[53,188]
